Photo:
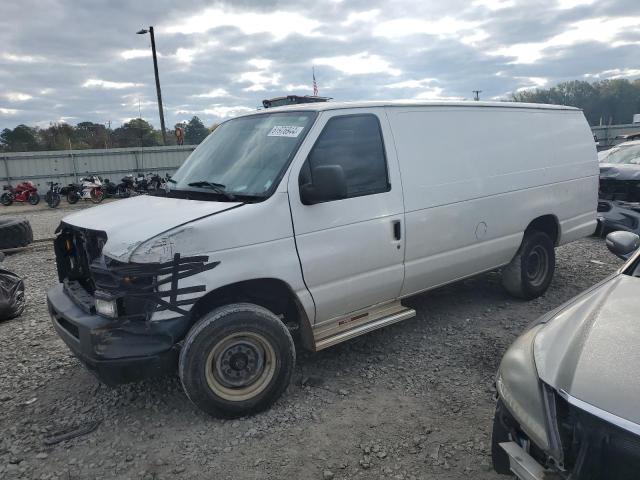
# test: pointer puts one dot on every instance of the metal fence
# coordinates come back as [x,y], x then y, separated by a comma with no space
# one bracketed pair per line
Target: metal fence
[610,135]
[67,166]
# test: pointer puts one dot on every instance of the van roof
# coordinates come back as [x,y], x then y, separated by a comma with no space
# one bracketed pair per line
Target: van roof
[412,103]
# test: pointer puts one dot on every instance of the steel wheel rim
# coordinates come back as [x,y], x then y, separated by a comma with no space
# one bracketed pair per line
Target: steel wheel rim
[240,366]
[537,265]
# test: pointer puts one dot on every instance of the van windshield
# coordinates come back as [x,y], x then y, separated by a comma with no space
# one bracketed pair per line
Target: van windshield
[243,157]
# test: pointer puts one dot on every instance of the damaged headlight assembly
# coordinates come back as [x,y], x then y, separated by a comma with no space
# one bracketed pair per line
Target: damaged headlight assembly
[520,389]
[106,306]
[136,291]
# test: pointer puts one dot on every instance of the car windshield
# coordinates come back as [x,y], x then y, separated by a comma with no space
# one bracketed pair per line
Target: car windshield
[244,157]
[623,154]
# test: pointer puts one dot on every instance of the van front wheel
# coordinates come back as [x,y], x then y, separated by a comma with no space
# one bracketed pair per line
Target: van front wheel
[237,360]
[530,272]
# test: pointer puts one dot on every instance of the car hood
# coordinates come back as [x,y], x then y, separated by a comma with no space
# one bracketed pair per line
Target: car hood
[130,222]
[614,171]
[590,349]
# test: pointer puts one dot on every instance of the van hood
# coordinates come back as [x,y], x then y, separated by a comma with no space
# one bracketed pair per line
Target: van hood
[590,349]
[132,221]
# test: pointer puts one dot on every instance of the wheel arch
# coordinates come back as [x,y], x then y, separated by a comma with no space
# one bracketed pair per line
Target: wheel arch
[548,224]
[271,293]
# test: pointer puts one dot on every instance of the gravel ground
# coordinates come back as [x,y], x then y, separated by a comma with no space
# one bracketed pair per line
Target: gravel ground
[414,400]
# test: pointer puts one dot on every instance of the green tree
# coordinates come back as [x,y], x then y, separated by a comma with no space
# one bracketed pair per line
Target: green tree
[20,139]
[605,101]
[136,133]
[92,135]
[58,136]
[195,132]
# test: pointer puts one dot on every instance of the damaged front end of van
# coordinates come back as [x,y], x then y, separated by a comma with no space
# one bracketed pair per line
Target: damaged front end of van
[106,308]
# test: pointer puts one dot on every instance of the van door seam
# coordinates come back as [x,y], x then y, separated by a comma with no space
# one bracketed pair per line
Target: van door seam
[295,243]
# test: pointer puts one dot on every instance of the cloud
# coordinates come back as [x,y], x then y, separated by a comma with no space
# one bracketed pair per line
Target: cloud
[363,16]
[18,96]
[279,24]
[601,29]
[215,93]
[222,58]
[412,83]
[614,73]
[402,27]
[8,111]
[11,57]
[135,53]
[358,64]
[106,84]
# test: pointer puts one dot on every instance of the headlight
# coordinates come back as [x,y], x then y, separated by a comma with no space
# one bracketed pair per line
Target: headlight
[519,387]
[106,307]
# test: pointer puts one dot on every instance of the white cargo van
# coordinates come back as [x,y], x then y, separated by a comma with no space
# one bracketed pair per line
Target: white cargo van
[315,221]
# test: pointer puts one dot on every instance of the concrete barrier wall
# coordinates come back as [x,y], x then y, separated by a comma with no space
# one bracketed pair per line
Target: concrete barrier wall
[66,166]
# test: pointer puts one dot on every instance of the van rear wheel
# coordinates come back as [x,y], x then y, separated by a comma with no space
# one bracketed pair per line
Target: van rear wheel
[530,272]
[236,360]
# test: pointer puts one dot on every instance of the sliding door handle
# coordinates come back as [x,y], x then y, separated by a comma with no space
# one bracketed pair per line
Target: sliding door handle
[397,230]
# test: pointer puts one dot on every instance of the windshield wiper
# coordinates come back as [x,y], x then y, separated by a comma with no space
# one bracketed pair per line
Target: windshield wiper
[171,180]
[216,187]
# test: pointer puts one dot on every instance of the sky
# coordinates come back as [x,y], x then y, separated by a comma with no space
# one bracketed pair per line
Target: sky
[72,61]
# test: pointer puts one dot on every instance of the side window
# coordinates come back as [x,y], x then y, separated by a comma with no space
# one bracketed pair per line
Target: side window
[355,143]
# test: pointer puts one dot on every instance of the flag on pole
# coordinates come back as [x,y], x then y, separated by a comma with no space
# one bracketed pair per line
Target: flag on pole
[315,85]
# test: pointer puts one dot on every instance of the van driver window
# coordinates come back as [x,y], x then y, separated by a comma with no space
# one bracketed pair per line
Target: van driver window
[355,143]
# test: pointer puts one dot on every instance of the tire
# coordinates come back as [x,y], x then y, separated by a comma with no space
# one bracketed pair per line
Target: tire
[97,195]
[6,199]
[72,197]
[243,334]
[531,270]
[15,232]
[34,198]
[500,434]
[54,200]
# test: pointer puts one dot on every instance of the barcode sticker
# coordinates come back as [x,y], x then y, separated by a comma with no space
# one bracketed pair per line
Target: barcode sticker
[285,131]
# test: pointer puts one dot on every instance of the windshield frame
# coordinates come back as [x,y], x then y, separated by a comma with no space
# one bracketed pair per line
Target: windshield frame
[204,191]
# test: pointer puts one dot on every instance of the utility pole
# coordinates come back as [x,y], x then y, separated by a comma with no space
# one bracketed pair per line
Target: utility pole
[476,95]
[155,70]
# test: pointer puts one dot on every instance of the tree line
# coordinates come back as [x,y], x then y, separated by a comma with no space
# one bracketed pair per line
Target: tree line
[85,135]
[603,102]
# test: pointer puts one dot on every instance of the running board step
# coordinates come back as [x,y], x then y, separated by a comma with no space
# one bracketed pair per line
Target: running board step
[339,330]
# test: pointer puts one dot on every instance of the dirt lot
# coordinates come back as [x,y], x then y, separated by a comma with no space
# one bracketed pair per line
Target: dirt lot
[414,400]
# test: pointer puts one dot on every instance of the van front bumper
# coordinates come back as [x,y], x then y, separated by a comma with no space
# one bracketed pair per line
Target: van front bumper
[116,350]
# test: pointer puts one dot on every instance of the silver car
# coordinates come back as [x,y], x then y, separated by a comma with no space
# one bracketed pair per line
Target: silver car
[569,387]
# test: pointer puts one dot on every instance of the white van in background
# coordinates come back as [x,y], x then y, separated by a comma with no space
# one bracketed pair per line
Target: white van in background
[317,220]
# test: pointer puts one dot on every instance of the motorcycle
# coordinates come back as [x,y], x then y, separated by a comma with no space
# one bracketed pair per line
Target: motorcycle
[52,197]
[92,189]
[72,191]
[156,182]
[121,190]
[23,192]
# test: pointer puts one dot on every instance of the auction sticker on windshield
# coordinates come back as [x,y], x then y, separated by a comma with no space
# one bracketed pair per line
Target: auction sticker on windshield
[285,131]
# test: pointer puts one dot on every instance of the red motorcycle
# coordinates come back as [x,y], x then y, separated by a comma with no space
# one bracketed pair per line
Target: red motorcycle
[23,192]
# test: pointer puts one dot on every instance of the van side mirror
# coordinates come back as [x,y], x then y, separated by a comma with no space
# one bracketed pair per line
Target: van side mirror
[328,183]
[622,244]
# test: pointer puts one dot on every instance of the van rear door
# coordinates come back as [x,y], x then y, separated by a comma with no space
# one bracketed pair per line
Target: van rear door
[352,249]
